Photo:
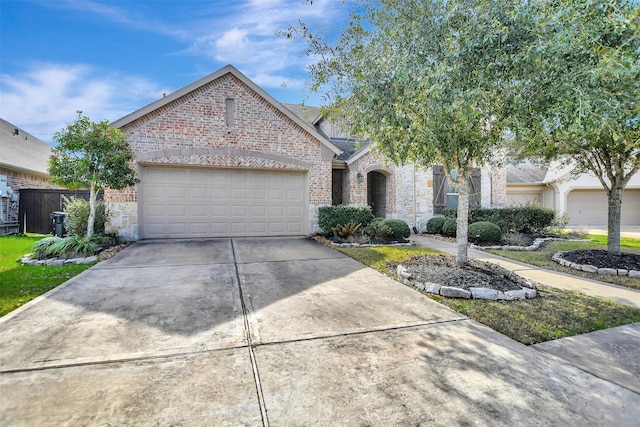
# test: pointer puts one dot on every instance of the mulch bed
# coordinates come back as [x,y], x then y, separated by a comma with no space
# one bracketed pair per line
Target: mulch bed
[601,259]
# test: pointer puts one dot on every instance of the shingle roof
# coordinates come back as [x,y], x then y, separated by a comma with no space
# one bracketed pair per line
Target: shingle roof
[22,151]
[526,173]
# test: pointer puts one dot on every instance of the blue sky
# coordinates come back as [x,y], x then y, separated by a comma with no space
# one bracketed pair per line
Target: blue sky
[109,58]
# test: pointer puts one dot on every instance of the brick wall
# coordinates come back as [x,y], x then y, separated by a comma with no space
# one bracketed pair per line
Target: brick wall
[193,130]
[356,192]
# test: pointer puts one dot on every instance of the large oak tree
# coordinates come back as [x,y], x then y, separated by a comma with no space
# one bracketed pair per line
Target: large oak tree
[428,82]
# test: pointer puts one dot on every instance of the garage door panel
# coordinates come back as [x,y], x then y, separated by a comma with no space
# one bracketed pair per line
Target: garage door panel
[590,207]
[197,202]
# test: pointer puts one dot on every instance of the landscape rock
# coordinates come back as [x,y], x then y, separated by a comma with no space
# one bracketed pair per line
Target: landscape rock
[448,291]
[634,273]
[432,288]
[515,295]
[623,272]
[501,295]
[54,262]
[608,271]
[530,293]
[402,272]
[484,293]
[589,268]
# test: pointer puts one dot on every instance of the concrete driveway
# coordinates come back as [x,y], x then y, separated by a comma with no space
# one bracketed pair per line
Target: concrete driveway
[273,332]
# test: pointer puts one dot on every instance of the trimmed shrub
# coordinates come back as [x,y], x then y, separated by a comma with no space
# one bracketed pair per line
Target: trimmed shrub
[518,219]
[450,227]
[378,230]
[487,231]
[387,229]
[77,217]
[434,225]
[331,216]
[399,228]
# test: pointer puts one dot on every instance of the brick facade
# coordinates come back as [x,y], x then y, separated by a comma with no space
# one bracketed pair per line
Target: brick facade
[195,129]
[356,192]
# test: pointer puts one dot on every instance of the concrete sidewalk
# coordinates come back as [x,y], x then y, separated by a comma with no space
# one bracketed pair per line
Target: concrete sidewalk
[611,354]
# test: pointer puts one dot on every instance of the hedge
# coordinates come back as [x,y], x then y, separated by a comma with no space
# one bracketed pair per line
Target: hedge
[387,229]
[434,225]
[486,232]
[520,219]
[331,216]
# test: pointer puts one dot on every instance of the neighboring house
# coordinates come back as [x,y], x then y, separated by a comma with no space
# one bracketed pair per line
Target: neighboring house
[23,165]
[582,198]
[221,157]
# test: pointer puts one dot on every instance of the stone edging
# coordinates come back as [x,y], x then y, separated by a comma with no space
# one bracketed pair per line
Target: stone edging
[364,245]
[57,261]
[455,292]
[557,257]
[532,247]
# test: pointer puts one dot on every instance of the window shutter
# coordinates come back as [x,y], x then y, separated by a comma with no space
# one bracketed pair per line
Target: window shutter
[439,189]
[475,193]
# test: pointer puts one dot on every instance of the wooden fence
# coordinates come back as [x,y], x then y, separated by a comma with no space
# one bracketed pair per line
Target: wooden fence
[36,205]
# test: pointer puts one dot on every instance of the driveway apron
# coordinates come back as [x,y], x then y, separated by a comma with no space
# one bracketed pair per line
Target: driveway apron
[273,332]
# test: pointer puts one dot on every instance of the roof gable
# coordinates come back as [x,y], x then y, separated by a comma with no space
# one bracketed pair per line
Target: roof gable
[229,69]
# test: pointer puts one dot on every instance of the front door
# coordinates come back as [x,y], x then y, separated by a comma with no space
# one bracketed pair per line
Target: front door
[377,193]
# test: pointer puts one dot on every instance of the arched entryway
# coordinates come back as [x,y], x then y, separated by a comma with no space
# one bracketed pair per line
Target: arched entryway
[377,193]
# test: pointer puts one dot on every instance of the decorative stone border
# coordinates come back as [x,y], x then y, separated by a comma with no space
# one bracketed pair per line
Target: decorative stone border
[27,260]
[557,257]
[532,247]
[364,245]
[455,292]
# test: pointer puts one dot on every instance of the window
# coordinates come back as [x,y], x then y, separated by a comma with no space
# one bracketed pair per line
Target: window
[229,110]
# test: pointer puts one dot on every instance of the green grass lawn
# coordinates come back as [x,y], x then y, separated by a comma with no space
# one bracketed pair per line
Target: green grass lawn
[555,314]
[542,257]
[20,283]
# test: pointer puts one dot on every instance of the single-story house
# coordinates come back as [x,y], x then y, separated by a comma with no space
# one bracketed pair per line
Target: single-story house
[582,198]
[222,157]
[23,165]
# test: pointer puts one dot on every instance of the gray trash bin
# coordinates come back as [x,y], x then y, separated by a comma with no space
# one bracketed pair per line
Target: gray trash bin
[58,223]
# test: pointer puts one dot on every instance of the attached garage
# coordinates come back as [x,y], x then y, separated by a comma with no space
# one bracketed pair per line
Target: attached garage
[221,158]
[589,207]
[199,202]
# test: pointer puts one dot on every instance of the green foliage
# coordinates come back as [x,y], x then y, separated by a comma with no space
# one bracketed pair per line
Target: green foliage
[487,231]
[105,240]
[434,225]
[399,228]
[450,227]
[378,230]
[582,88]
[387,229]
[331,216]
[428,82]
[77,210]
[91,155]
[69,247]
[519,219]
[347,230]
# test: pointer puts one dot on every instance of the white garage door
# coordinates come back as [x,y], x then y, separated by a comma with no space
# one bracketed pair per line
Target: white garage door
[202,202]
[589,207]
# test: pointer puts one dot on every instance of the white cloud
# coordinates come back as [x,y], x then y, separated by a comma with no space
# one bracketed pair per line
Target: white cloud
[45,97]
[246,37]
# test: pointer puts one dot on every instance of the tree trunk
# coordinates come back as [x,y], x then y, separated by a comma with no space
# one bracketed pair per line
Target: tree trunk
[462,231]
[613,220]
[92,210]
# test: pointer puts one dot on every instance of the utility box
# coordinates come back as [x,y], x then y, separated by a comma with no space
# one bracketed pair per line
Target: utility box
[58,223]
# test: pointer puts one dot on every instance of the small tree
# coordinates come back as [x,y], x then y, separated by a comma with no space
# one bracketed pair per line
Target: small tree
[91,155]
